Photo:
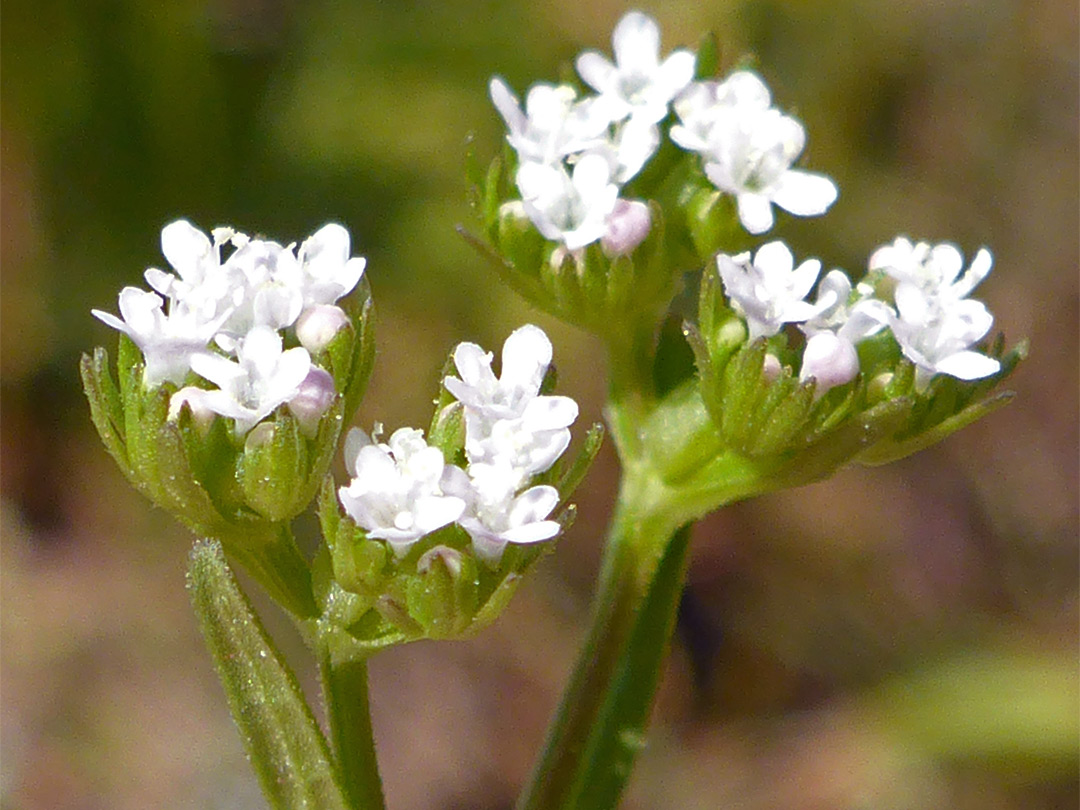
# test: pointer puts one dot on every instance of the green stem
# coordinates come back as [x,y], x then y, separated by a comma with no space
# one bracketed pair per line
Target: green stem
[600,724]
[345,691]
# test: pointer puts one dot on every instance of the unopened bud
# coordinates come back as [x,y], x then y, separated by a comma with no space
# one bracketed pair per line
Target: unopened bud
[830,360]
[627,226]
[317,326]
[771,370]
[315,395]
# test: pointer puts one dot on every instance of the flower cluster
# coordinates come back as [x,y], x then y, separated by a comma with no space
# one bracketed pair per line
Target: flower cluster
[749,147]
[223,320]
[403,490]
[925,307]
[575,155]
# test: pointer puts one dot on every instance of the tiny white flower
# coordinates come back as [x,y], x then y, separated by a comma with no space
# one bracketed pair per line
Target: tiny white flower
[554,124]
[572,209]
[936,334]
[168,342]
[769,291]
[750,156]
[495,515]
[329,272]
[936,269]
[702,104]
[507,421]
[250,389]
[397,493]
[638,84]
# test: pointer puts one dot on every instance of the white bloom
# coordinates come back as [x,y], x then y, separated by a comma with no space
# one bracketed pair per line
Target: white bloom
[750,156]
[638,85]
[167,342]
[936,334]
[494,515]
[936,269]
[396,493]
[328,271]
[553,125]
[249,390]
[203,284]
[569,209]
[770,290]
[702,104]
[507,422]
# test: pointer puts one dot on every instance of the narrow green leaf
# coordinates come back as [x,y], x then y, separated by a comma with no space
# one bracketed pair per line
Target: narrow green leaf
[286,747]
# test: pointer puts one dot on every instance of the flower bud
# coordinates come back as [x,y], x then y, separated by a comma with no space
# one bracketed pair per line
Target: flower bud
[627,226]
[318,325]
[830,360]
[314,397]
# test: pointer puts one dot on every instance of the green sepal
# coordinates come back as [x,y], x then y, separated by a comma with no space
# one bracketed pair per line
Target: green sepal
[442,596]
[569,471]
[708,57]
[350,355]
[273,467]
[283,741]
[447,432]
[106,409]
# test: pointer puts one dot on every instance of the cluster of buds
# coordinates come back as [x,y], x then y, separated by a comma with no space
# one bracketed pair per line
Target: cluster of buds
[426,544]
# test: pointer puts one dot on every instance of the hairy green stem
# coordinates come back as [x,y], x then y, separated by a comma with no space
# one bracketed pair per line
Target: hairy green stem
[345,692]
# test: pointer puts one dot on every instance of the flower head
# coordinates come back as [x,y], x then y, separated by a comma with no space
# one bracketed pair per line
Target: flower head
[397,493]
[638,84]
[769,291]
[554,124]
[935,269]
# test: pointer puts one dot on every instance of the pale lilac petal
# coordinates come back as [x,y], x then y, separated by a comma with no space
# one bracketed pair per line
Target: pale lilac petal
[804,194]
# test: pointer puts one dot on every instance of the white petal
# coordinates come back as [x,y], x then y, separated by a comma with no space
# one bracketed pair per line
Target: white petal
[526,355]
[533,504]
[755,212]
[185,246]
[968,365]
[532,532]
[636,42]
[507,104]
[804,194]
[595,70]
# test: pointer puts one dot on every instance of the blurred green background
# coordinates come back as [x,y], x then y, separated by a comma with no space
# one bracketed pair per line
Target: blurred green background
[902,637]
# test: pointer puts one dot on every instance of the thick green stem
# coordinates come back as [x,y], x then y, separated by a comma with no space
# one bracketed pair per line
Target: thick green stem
[599,727]
[345,691]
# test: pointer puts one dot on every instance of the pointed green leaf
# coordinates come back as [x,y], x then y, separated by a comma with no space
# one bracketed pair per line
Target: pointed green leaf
[283,740]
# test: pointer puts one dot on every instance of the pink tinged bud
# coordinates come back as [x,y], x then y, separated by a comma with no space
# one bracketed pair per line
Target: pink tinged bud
[202,414]
[315,395]
[830,360]
[318,325]
[627,226]
[771,370]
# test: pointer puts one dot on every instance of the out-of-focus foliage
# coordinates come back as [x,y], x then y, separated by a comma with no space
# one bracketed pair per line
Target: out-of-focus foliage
[903,637]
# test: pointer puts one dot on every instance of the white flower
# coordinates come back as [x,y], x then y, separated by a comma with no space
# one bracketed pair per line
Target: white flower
[702,104]
[329,272]
[168,342]
[936,334]
[935,269]
[494,515]
[770,290]
[553,125]
[507,422]
[569,209]
[249,390]
[203,284]
[638,85]
[750,156]
[396,493]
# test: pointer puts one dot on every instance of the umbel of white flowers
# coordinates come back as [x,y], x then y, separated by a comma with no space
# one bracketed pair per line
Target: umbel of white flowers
[930,315]
[402,490]
[224,320]
[574,155]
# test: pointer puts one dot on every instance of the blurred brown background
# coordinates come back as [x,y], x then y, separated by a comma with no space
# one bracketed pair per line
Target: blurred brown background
[902,637]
